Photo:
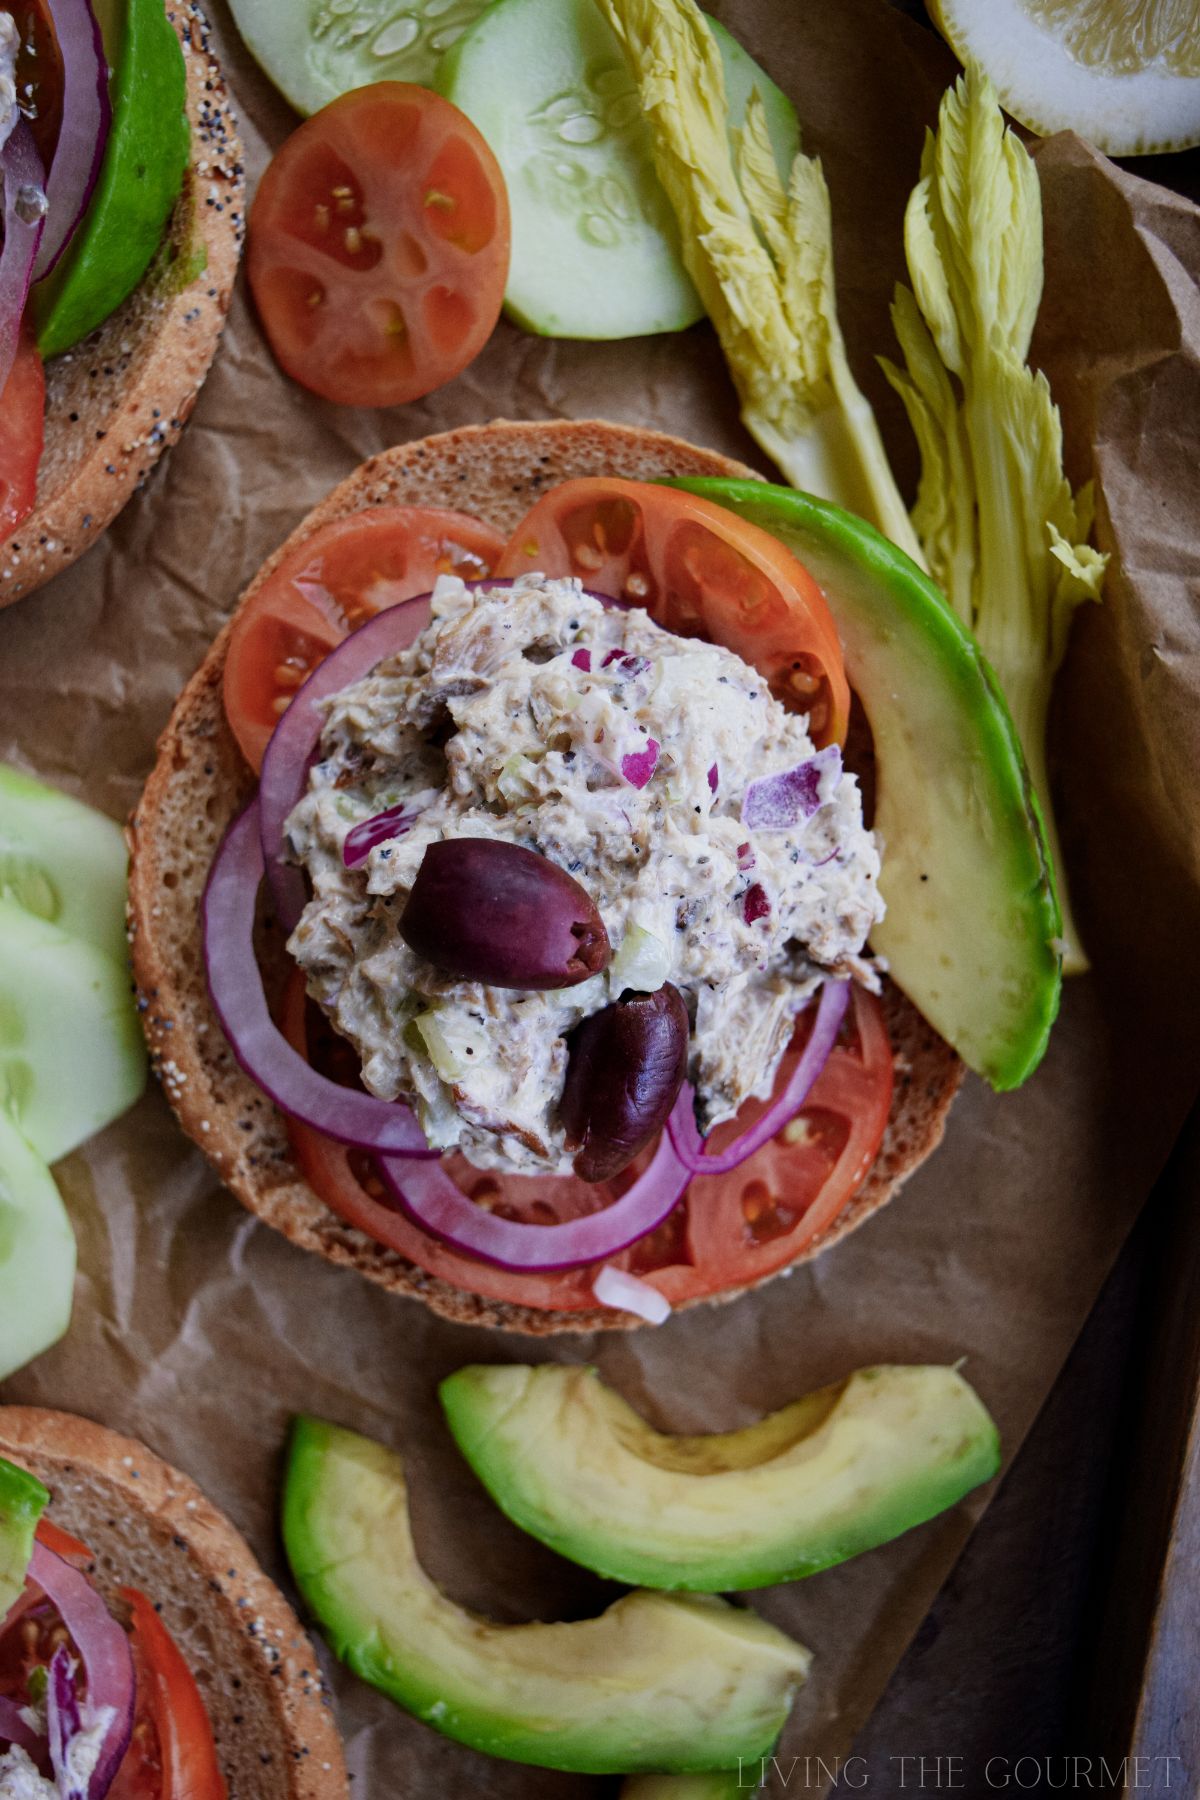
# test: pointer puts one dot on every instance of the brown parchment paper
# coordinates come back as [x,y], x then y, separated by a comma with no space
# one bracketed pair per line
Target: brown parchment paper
[200,1331]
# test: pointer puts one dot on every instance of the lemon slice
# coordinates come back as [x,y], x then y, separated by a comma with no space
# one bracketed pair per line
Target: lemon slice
[1125,74]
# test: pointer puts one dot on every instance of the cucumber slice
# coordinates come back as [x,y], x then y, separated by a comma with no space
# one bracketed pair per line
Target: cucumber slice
[63,861]
[37,1254]
[72,1056]
[314,50]
[595,248]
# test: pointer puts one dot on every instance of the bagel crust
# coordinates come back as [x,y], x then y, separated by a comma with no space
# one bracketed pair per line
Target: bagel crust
[117,400]
[151,1528]
[200,783]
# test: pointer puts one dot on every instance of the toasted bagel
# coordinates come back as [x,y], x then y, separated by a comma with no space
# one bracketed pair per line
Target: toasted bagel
[117,400]
[200,782]
[151,1528]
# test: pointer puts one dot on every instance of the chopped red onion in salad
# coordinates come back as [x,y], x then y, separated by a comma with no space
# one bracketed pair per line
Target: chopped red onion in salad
[781,802]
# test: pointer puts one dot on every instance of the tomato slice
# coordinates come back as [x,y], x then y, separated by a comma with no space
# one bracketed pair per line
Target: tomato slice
[326,588]
[726,1230]
[22,433]
[171,1754]
[63,1544]
[700,571]
[378,246]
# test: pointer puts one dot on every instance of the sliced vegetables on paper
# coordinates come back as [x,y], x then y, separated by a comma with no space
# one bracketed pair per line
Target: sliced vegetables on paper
[1004,535]
[761,257]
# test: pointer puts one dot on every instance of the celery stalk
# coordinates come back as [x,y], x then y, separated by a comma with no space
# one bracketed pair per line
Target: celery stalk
[1005,536]
[761,257]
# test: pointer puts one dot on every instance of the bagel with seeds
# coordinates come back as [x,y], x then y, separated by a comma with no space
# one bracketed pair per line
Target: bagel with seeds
[201,782]
[148,1527]
[122,396]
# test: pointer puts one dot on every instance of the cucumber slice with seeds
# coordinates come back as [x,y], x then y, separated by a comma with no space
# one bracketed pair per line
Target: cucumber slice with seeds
[62,861]
[72,1057]
[37,1255]
[595,249]
[314,50]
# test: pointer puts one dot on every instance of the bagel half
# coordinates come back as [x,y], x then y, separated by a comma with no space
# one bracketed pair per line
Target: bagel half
[150,1527]
[117,400]
[200,783]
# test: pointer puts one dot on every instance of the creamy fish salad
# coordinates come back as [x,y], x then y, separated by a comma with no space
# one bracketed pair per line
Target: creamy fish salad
[628,756]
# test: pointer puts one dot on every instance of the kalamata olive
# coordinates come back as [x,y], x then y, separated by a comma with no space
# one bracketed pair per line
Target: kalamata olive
[626,1068]
[485,910]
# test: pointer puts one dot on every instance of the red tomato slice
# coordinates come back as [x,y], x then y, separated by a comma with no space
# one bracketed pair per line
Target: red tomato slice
[700,571]
[63,1544]
[378,246]
[336,579]
[725,1231]
[22,432]
[171,1754]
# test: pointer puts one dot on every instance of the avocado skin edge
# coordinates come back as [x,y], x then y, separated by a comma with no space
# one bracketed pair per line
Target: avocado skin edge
[820,533]
[613,1545]
[140,180]
[436,1696]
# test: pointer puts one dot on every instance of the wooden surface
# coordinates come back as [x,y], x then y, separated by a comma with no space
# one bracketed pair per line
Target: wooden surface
[1070,1628]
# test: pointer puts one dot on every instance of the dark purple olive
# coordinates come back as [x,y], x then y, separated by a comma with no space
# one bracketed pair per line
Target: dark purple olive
[626,1068]
[485,910]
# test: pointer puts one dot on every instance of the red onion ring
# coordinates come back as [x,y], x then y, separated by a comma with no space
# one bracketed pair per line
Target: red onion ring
[104,1650]
[438,1204]
[14,1730]
[295,738]
[86,117]
[689,1145]
[236,986]
[23,175]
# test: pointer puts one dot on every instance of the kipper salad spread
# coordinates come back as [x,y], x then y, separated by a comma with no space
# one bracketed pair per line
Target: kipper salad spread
[725,854]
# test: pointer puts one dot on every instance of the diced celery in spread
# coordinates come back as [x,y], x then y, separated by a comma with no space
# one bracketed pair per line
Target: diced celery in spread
[535,715]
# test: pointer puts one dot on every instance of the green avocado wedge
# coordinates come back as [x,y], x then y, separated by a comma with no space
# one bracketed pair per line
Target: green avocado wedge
[972,927]
[23,1500]
[837,1472]
[140,178]
[658,1682]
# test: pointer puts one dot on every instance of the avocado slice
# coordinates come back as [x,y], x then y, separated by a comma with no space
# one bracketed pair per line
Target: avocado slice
[835,1473]
[149,145]
[23,1500]
[656,1682]
[972,926]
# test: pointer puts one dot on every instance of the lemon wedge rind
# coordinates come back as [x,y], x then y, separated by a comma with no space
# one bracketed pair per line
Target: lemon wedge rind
[1042,84]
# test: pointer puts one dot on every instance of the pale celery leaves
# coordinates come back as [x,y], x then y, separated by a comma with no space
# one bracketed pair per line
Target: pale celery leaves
[1004,535]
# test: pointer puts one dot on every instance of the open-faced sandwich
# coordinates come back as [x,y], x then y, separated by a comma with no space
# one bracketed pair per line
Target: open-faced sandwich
[122,183]
[143,1653]
[609,964]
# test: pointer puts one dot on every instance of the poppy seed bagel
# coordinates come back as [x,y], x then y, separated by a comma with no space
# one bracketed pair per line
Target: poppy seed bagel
[151,1528]
[120,398]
